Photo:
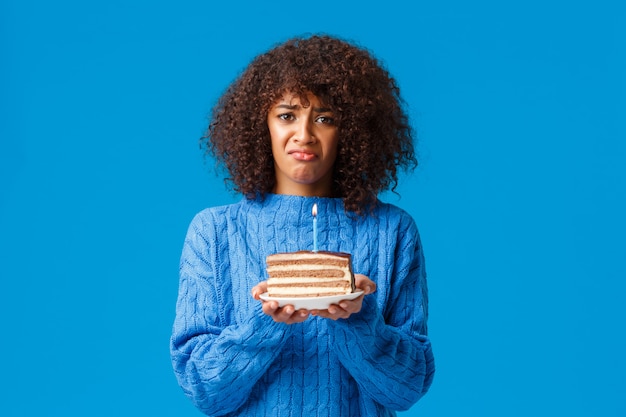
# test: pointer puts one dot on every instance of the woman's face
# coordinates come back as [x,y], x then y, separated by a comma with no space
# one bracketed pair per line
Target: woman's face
[304,146]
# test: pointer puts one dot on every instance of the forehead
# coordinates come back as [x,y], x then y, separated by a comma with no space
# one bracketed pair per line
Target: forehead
[295,99]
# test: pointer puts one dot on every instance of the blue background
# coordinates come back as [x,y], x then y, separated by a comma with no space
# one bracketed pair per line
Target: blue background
[520,195]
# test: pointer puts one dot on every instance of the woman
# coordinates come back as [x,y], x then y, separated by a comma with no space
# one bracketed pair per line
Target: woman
[315,120]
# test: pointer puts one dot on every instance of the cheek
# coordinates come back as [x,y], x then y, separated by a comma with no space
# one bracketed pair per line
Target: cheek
[277,133]
[332,149]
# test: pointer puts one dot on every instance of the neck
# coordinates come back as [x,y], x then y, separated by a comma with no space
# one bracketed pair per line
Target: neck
[319,189]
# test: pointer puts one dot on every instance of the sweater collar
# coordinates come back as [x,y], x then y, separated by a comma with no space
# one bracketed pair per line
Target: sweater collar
[300,204]
[296,210]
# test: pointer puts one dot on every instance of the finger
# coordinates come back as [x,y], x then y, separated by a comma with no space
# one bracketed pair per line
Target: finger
[336,312]
[299,316]
[368,287]
[285,314]
[362,282]
[350,306]
[289,315]
[270,307]
[286,311]
[320,313]
[259,289]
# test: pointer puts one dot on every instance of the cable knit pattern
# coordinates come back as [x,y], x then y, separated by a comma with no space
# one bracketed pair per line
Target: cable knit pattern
[233,360]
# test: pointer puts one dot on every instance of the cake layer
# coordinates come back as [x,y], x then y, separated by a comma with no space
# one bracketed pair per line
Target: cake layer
[310,283]
[319,293]
[315,273]
[309,274]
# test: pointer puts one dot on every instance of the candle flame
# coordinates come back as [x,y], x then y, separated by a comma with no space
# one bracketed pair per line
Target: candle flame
[314,210]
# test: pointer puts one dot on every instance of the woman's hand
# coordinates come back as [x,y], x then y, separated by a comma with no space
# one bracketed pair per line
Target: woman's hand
[343,310]
[346,308]
[286,314]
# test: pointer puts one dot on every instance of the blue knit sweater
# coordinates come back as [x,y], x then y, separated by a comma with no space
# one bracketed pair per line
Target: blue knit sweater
[233,360]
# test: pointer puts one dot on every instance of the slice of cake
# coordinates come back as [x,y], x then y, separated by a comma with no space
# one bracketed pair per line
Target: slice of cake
[309,274]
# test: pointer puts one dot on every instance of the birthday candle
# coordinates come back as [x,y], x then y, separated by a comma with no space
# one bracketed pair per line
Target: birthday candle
[314,212]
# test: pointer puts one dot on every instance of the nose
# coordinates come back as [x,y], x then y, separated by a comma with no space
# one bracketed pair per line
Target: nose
[304,132]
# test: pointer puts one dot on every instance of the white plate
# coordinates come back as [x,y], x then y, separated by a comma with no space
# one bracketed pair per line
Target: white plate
[311,303]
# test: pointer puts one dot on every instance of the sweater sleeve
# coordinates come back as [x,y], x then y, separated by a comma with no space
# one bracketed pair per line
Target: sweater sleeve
[216,360]
[388,353]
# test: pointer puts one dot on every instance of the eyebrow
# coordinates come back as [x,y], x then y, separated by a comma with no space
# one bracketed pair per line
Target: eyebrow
[294,107]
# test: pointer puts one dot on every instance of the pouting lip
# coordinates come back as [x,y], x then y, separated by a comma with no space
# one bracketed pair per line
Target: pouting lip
[302,151]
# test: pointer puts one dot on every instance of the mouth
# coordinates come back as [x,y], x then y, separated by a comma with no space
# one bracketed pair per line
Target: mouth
[301,155]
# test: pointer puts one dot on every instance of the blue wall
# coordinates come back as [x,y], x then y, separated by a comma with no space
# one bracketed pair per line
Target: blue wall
[520,195]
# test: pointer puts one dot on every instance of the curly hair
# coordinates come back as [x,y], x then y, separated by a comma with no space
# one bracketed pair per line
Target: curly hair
[375,138]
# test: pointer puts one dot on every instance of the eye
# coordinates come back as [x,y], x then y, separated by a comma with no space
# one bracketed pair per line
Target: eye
[286,117]
[325,120]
